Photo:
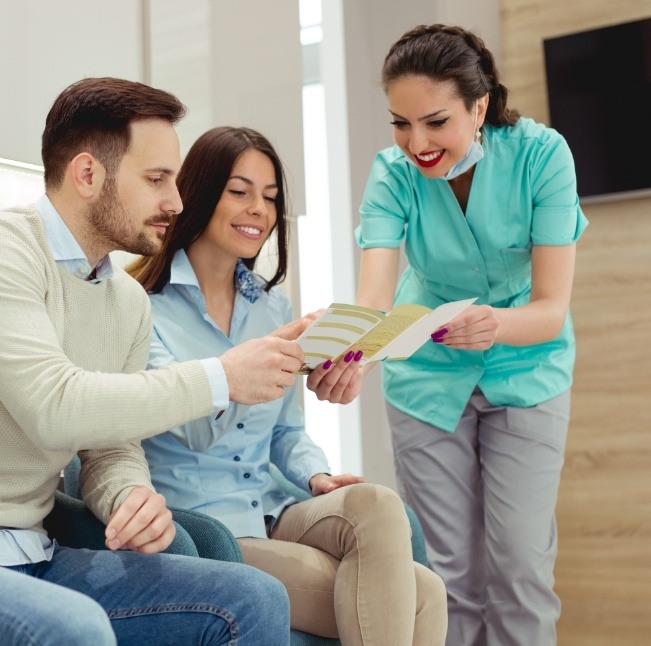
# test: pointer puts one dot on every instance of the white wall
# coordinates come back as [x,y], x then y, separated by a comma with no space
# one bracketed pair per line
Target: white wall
[235,64]
[45,46]
[229,66]
[179,61]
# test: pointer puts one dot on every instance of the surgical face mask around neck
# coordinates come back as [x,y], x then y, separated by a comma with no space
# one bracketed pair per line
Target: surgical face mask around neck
[474,154]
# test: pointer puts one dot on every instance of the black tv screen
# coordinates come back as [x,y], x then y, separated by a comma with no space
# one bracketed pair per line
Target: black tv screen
[599,93]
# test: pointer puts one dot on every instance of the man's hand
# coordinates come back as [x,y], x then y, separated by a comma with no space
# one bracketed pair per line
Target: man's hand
[323,483]
[292,330]
[142,523]
[260,369]
[338,384]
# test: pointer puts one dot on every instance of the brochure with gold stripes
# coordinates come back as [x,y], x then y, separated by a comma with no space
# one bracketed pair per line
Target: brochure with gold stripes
[393,335]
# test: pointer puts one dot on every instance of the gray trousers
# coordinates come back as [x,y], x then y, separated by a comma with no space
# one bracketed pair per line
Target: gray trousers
[485,496]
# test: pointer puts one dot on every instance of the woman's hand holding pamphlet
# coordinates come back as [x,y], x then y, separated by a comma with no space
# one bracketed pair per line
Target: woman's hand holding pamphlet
[379,335]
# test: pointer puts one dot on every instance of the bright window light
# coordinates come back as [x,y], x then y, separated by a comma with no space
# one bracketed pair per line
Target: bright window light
[315,259]
[20,183]
[311,35]
[310,13]
[314,232]
[310,17]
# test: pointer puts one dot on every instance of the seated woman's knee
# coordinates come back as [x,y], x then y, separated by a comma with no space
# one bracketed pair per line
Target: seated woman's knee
[376,503]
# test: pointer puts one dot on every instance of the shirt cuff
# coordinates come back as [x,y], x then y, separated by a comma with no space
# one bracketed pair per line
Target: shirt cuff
[218,384]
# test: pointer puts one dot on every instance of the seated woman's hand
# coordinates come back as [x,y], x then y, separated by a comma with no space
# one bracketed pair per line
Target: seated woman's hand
[323,483]
[339,383]
[474,329]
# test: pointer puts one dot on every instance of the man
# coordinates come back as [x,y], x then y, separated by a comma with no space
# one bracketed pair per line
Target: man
[74,342]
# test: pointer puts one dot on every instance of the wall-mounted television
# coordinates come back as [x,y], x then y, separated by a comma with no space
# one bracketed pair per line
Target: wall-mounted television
[599,94]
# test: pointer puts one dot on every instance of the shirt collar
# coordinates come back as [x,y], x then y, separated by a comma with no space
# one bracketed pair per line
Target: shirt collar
[181,273]
[64,246]
[246,283]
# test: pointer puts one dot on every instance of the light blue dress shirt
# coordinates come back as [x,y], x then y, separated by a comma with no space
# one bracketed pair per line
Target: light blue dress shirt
[65,248]
[221,466]
[18,546]
[523,194]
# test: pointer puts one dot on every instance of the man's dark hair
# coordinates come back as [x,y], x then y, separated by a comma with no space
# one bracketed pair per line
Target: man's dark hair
[94,115]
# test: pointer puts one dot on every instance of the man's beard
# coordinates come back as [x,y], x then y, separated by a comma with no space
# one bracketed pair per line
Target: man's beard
[110,220]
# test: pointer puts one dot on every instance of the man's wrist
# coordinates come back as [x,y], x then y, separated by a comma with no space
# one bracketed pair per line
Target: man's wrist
[219,388]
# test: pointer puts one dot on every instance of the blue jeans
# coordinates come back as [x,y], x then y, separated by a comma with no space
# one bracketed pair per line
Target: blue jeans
[35,612]
[149,599]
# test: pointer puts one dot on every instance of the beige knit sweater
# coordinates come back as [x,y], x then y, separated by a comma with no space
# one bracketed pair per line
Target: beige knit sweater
[72,378]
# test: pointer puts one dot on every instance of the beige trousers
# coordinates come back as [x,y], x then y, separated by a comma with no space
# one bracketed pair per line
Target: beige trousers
[345,558]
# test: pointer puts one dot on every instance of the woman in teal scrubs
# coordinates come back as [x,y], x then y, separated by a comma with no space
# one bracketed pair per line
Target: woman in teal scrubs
[485,202]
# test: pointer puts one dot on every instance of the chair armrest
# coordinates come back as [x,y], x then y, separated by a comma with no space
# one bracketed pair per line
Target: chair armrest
[71,478]
[288,487]
[72,524]
[213,539]
[417,538]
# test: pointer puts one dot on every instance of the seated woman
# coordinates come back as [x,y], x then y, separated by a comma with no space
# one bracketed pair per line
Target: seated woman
[345,554]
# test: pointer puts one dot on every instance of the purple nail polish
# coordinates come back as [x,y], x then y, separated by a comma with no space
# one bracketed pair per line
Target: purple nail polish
[327,364]
[349,356]
[358,355]
[439,334]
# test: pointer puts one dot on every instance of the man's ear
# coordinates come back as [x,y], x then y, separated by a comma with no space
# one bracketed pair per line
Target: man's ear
[87,175]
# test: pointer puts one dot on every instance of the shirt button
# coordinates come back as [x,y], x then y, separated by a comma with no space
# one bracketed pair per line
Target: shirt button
[247,475]
[254,503]
[240,425]
[476,269]
[237,458]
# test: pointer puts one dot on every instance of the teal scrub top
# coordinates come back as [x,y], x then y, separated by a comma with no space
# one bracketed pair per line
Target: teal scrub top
[523,194]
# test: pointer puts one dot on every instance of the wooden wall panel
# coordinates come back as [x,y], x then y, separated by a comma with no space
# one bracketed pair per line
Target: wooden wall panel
[603,572]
